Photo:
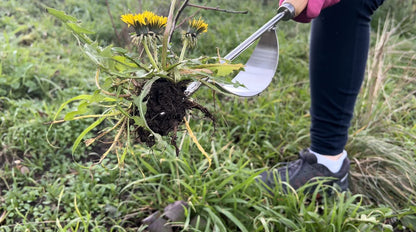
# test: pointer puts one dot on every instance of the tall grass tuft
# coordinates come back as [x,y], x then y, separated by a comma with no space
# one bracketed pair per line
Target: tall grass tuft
[382,140]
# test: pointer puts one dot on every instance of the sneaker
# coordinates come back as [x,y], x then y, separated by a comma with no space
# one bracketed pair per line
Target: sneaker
[304,170]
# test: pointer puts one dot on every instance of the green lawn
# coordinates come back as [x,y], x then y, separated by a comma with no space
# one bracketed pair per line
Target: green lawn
[44,186]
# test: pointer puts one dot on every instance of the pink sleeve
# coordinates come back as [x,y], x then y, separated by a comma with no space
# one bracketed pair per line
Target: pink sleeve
[313,9]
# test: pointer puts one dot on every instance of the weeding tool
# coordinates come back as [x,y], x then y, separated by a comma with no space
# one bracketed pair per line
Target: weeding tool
[262,64]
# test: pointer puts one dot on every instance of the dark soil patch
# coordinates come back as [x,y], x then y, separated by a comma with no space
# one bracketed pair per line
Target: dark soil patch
[166,107]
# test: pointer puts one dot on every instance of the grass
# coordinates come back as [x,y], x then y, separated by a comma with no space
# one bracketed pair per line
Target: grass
[45,188]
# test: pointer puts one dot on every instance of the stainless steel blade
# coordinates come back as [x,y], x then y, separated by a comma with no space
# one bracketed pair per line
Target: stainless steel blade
[259,69]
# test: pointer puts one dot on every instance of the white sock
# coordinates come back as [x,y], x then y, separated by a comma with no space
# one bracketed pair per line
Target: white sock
[333,165]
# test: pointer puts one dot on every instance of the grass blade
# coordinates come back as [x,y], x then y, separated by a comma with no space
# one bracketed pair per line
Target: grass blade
[233,218]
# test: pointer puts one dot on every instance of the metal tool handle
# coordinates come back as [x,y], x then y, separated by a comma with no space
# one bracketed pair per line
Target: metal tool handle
[285,12]
[297,5]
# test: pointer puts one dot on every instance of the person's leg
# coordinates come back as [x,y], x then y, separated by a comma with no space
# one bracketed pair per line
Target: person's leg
[338,56]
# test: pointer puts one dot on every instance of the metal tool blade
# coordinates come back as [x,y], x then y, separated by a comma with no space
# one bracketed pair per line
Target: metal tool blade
[259,69]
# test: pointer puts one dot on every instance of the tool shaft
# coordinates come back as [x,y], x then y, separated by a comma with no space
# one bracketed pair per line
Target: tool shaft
[253,37]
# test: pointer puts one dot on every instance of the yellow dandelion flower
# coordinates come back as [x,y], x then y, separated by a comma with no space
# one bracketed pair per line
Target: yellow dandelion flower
[136,21]
[197,26]
[139,20]
[146,23]
[156,23]
[147,15]
[128,19]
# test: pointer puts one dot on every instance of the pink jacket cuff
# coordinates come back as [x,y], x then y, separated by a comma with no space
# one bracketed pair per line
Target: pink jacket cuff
[313,9]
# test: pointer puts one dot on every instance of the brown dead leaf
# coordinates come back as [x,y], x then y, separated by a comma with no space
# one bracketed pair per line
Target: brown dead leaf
[197,70]
[3,216]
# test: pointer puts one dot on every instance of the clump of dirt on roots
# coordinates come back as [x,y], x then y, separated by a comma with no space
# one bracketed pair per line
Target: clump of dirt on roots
[166,107]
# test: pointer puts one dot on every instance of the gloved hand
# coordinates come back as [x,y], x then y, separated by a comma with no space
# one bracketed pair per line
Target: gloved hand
[313,9]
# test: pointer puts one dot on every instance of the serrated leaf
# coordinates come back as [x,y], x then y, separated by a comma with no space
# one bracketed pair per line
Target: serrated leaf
[107,52]
[79,30]
[125,61]
[69,21]
[100,56]
[61,15]
[112,64]
[92,52]
[224,69]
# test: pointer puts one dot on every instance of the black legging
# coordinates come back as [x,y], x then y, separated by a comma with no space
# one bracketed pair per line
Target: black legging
[338,56]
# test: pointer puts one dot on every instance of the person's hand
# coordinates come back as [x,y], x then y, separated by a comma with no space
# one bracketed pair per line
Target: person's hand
[312,10]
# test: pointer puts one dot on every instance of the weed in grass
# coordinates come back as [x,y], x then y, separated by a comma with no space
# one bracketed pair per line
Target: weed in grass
[144,96]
